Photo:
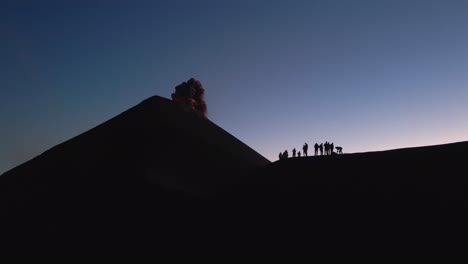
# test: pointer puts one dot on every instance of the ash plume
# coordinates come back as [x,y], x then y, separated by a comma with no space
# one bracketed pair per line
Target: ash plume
[191,93]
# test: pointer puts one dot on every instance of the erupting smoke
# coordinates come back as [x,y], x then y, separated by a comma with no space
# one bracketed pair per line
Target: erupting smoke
[191,93]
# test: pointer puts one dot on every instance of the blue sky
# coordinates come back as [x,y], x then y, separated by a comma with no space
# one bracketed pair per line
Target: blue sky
[366,75]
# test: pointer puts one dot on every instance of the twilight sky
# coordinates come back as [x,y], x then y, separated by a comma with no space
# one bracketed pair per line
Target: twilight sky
[367,75]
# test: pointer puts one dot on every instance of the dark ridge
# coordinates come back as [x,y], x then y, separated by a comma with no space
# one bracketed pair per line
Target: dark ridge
[409,201]
[158,179]
[156,141]
[139,164]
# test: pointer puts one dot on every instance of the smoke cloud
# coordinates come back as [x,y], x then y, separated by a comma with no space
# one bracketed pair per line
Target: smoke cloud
[192,94]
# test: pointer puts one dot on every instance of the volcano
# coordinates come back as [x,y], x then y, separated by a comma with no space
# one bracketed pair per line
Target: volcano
[161,179]
[155,148]
[157,141]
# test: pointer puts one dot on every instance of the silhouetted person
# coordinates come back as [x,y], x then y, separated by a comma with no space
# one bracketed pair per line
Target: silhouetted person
[299,154]
[285,154]
[331,148]
[316,147]
[280,156]
[321,149]
[305,148]
[294,152]
[327,147]
[339,150]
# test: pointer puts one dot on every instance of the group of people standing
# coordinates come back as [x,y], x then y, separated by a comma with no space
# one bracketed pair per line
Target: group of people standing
[325,149]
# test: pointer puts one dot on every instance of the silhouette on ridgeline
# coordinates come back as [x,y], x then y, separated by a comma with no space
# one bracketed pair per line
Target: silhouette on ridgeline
[339,150]
[329,150]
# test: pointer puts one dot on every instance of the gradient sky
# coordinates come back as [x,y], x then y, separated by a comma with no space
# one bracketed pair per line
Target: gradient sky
[367,75]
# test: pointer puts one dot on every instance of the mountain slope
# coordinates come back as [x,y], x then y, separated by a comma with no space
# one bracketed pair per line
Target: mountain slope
[160,180]
[145,164]
[438,168]
[156,141]
[404,201]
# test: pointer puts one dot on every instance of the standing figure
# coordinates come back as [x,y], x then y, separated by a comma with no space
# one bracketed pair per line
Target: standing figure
[316,147]
[299,154]
[305,148]
[321,149]
[294,152]
[280,156]
[331,148]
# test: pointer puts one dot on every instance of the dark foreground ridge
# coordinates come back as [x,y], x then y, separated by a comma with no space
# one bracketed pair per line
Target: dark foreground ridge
[158,179]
